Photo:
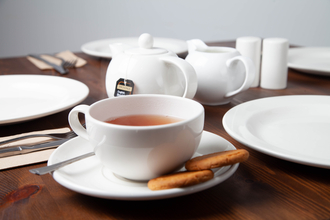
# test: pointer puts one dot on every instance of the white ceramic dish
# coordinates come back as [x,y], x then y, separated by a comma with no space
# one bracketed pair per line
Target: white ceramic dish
[89,177]
[100,48]
[26,97]
[294,128]
[313,60]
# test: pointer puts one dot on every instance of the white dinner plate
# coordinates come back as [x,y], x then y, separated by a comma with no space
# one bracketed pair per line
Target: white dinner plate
[294,128]
[26,97]
[313,60]
[100,48]
[89,177]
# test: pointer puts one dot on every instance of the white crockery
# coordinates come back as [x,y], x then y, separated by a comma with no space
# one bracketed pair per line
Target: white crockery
[221,72]
[251,47]
[25,97]
[153,70]
[100,48]
[141,152]
[294,128]
[274,64]
[312,60]
[90,177]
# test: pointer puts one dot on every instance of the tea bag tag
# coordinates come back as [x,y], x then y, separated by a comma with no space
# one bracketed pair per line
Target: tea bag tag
[124,87]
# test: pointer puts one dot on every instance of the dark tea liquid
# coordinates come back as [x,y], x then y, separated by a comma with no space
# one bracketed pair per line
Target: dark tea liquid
[143,120]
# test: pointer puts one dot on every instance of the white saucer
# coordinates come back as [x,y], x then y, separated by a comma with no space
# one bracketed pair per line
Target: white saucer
[294,128]
[26,97]
[89,177]
[313,60]
[100,48]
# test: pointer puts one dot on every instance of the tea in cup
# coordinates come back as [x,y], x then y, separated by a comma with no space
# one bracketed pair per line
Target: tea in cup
[140,137]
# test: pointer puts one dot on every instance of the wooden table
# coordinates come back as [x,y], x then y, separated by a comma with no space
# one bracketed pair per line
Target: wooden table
[264,187]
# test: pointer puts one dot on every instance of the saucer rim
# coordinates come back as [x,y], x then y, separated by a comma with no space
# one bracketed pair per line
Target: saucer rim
[59,176]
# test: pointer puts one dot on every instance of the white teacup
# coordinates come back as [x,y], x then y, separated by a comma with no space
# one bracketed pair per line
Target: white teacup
[141,152]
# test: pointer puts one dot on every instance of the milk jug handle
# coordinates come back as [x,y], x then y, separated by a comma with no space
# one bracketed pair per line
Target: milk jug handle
[249,74]
[188,72]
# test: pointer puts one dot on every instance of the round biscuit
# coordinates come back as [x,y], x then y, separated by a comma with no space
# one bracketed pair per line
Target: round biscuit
[218,159]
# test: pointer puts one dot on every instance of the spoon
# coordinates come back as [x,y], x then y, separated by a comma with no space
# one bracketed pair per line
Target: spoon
[51,168]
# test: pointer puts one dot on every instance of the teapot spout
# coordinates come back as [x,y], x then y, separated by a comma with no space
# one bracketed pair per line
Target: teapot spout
[196,45]
[117,48]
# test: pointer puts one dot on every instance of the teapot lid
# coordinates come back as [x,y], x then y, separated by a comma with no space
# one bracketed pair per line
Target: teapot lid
[146,42]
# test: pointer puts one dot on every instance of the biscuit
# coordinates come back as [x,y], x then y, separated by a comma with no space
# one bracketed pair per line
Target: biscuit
[180,179]
[217,159]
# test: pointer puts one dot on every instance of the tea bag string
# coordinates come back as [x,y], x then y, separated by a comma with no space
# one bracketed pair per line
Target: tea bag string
[126,74]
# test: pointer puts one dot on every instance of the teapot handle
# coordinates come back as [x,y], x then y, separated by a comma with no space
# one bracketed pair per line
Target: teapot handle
[188,72]
[250,72]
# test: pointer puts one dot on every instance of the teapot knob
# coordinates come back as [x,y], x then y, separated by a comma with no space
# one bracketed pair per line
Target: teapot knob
[146,41]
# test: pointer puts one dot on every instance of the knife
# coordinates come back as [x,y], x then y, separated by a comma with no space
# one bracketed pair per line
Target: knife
[58,68]
[18,150]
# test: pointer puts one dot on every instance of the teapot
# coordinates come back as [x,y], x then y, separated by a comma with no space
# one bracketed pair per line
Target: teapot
[148,70]
[221,72]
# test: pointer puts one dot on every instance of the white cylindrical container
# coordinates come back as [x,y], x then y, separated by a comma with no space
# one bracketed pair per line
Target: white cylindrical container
[274,66]
[251,47]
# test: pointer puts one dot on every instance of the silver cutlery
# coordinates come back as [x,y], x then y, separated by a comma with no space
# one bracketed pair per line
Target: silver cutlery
[68,63]
[55,166]
[58,68]
[51,168]
[17,150]
[57,136]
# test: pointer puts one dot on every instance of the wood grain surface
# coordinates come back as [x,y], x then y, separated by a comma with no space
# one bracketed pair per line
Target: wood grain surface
[263,187]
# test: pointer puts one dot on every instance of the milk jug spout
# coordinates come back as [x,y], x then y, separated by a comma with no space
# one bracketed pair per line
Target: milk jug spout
[196,45]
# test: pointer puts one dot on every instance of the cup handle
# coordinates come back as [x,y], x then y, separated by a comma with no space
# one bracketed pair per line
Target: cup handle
[188,72]
[250,72]
[75,123]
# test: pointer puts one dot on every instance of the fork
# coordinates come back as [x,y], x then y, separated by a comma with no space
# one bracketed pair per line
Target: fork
[68,63]
[57,136]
